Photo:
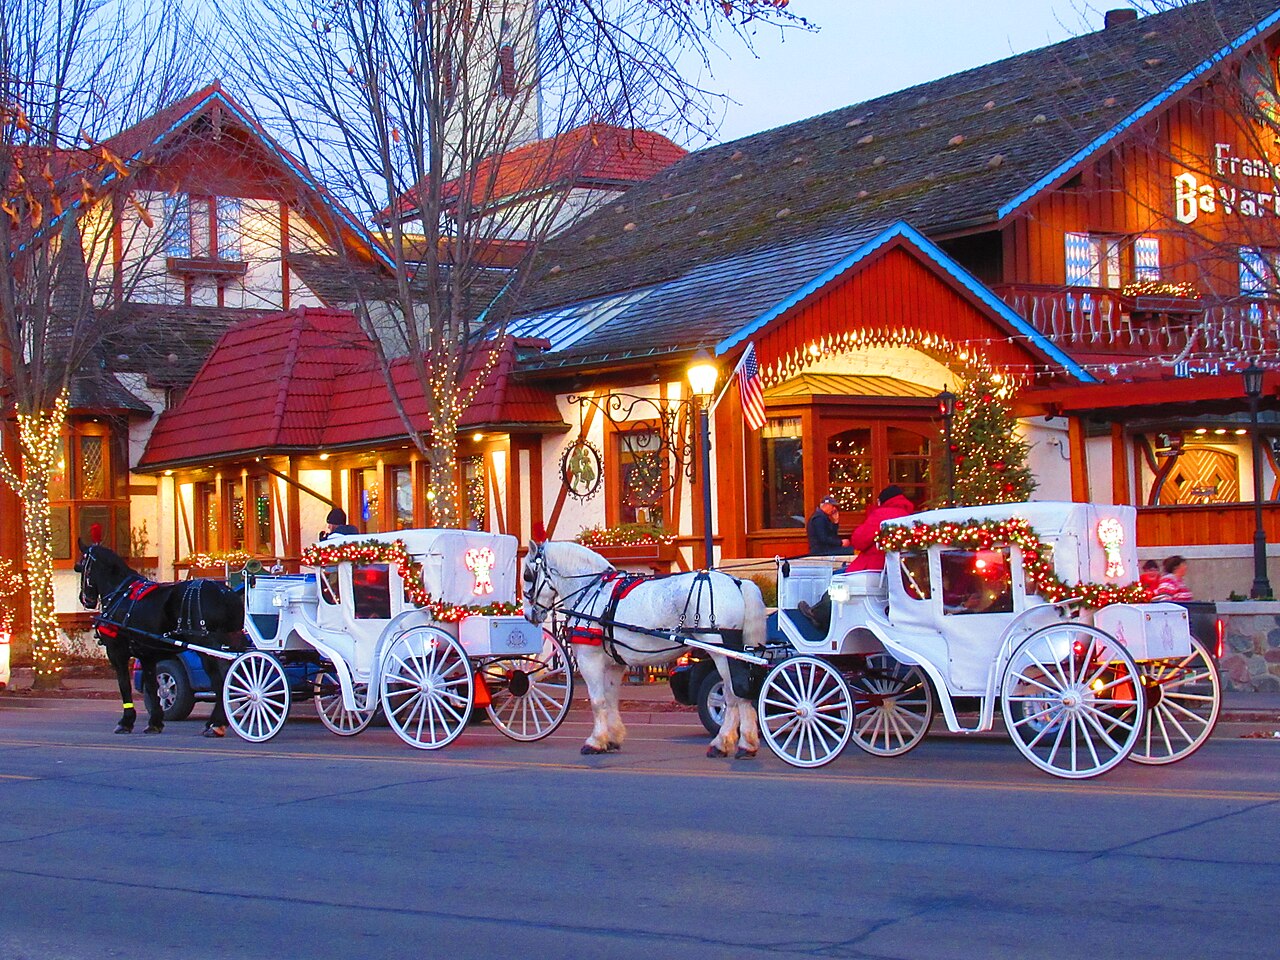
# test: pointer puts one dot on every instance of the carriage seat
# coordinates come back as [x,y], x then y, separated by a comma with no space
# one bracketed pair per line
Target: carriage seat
[859,584]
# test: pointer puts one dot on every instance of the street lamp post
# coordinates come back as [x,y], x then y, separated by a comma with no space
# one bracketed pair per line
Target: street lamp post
[702,380]
[1261,588]
[947,407]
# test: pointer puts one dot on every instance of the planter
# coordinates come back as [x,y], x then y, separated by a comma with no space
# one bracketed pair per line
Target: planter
[1251,660]
[656,556]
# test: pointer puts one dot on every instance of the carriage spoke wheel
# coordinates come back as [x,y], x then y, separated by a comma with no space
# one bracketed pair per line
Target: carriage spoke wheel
[894,706]
[427,688]
[1184,696]
[806,711]
[1073,700]
[529,695]
[256,696]
[331,710]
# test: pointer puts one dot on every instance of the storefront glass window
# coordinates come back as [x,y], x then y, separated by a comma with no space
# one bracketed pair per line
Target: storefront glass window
[910,456]
[474,492]
[262,514]
[849,462]
[402,482]
[369,499]
[640,465]
[237,515]
[782,453]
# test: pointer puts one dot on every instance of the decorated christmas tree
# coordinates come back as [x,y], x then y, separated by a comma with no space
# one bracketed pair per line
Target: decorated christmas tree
[988,456]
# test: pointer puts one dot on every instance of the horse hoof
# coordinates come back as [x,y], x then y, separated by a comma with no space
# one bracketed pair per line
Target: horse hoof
[153,728]
[589,751]
[121,728]
[744,754]
[715,752]
[214,732]
[613,747]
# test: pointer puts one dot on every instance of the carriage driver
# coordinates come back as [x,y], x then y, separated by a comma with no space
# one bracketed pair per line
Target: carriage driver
[892,503]
[335,524]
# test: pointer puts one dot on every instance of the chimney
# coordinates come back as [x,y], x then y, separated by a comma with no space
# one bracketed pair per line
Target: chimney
[1115,18]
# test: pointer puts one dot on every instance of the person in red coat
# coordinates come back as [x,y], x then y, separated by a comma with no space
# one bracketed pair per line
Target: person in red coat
[892,504]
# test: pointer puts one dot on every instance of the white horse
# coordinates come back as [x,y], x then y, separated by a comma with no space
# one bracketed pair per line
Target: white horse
[600,604]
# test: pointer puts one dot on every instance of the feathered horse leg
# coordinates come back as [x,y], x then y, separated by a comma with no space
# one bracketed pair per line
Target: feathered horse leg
[118,657]
[594,669]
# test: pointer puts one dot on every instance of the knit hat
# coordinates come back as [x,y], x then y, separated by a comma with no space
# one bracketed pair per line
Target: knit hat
[891,491]
[336,516]
[831,500]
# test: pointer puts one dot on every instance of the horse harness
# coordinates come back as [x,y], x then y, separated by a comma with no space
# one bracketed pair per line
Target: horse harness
[585,626]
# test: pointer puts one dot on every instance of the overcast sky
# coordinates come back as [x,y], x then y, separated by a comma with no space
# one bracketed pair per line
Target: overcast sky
[870,47]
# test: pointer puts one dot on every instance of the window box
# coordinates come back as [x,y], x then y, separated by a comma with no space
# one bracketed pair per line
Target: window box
[206,267]
[640,554]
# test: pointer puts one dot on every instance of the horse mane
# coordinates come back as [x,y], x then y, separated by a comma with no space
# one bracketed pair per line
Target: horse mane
[571,559]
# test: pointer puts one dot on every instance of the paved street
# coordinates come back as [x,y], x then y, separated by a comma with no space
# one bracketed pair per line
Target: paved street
[315,847]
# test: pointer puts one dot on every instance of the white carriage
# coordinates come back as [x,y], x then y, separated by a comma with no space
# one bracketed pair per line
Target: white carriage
[353,620]
[1080,686]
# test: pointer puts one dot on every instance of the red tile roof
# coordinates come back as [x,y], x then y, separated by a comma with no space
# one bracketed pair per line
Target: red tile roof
[594,154]
[307,380]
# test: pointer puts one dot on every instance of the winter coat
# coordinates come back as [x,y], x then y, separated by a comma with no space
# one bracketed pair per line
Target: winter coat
[863,537]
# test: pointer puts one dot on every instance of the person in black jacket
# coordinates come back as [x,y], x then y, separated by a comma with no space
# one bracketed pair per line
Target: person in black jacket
[824,528]
[336,523]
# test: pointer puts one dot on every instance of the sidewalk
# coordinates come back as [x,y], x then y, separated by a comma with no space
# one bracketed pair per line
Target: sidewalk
[650,698]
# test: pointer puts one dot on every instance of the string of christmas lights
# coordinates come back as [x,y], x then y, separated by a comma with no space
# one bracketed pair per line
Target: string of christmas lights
[395,552]
[229,558]
[1017,532]
[10,586]
[40,446]
[625,535]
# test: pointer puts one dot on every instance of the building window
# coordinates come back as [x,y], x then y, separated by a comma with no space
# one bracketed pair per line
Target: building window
[236,496]
[260,496]
[208,517]
[849,464]
[910,459]
[203,228]
[641,475]
[88,490]
[1093,260]
[782,453]
[1146,258]
[367,493]
[1259,268]
[475,492]
[402,484]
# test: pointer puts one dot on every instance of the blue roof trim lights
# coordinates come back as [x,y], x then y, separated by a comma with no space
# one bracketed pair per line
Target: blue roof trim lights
[1150,106]
[970,283]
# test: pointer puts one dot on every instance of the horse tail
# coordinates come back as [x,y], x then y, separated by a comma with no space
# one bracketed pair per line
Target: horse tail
[754,629]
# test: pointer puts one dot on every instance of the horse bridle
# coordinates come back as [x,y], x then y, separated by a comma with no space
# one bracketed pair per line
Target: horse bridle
[538,573]
[87,559]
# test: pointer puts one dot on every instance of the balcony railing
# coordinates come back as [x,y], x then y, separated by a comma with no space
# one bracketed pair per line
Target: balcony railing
[1100,317]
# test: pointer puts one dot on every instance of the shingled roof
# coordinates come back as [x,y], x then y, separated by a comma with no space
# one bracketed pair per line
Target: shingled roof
[306,380]
[953,153]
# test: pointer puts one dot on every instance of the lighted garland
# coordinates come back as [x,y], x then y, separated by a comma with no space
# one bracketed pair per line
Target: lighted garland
[625,535]
[231,558]
[10,587]
[1160,288]
[1017,532]
[395,552]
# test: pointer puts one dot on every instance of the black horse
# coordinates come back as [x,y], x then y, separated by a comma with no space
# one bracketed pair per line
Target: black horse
[138,614]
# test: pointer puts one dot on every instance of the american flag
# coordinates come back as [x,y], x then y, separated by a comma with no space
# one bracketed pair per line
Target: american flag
[750,388]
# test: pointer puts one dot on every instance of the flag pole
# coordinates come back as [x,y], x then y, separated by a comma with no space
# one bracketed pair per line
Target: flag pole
[728,382]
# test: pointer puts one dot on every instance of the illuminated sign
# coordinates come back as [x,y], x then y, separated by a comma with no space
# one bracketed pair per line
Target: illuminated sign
[1193,196]
[1111,536]
[480,561]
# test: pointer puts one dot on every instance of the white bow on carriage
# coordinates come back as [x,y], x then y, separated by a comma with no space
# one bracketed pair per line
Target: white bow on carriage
[1031,605]
[422,623]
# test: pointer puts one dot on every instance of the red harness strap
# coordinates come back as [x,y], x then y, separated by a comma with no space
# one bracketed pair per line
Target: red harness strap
[141,589]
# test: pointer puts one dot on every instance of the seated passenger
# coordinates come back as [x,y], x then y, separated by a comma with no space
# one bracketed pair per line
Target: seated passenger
[1172,586]
[892,504]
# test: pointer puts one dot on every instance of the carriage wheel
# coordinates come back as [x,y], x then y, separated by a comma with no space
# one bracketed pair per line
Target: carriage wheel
[333,714]
[256,696]
[806,711]
[1072,700]
[1184,696]
[427,688]
[894,706]
[529,696]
